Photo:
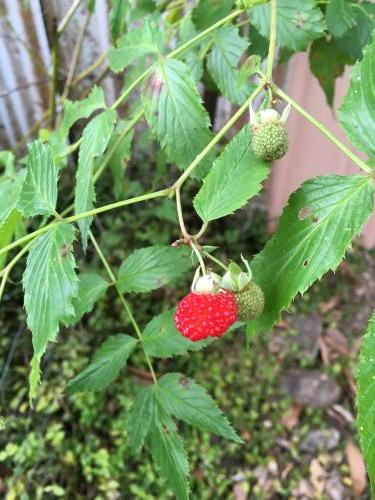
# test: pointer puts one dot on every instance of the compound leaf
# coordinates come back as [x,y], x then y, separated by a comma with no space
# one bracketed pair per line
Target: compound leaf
[95,138]
[134,44]
[353,41]
[223,63]
[107,362]
[234,178]
[357,112]
[140,418]
[50,284]
[152,267]
[318,224]
[169,453]
[298,23]
[175,114]
[183,398]
[91,288]
[340,17]
[365,398]
[39,191]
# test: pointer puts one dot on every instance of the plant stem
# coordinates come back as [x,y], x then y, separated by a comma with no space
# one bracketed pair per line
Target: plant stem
[90,69]
[218,137]
[70,13]
[130,89]
[184,232]
[272,45]
[84,215]
[203,34]
[123,301]
[214,259]
[199,256]
[355,159]
[7,269]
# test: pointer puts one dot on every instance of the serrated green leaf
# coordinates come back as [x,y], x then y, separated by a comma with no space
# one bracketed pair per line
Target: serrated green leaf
[7,161]
[169,454]
[317,226]
[191,57]
[105,366]
[150,268]
[50,284]
[298,23]
[183,398]
[91,288]
[119,157]
[140,418]
[175,114]
[327,62]
[223,64]
[161,339]
[365,377]
[134,44]
[76,110]
[208,12]
[357,112]
[7,230]
[95,138]
[117,18]
[10,190]
[234,178]
[359,35]
[39,191]
[340,17]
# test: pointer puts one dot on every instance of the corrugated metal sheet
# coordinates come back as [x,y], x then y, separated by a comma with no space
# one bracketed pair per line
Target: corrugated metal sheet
[25,65]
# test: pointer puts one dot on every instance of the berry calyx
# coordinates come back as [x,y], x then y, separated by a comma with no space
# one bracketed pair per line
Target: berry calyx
[250,302]
[202,315]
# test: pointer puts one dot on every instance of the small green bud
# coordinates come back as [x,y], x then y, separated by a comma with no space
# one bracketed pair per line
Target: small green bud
[250,302]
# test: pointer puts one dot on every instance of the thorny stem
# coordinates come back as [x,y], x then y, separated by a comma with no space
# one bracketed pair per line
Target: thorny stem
[355,159]
[272,45]
[124,302]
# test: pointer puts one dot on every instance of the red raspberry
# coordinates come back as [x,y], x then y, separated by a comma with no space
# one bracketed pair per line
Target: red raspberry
[200,315]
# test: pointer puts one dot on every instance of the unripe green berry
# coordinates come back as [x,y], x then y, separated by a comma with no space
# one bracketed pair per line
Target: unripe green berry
[250,302]
[269,140]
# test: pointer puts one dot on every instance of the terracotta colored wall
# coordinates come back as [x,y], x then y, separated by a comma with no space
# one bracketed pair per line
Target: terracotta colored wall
[310,152]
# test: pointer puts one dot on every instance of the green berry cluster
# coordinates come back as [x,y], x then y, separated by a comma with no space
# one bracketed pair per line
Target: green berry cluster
[269,140]
[250,302]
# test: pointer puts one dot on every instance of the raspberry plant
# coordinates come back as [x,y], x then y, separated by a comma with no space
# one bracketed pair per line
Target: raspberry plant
[163,58]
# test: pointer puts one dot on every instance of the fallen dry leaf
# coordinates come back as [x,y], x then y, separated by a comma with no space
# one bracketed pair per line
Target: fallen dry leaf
[357,468]
[331,304]
[336,341]
[317,475]
[290,419]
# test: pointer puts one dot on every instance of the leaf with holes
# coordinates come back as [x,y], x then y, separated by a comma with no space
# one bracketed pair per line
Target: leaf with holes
[95,139]
[105,366]
[223,64]
[183,398]
[134,44]
[235,177]
[175,114]
[150,268]
[161,339]
[39,191]
[50,285]
[298,23]
[169,453]
[316,227]
[365,376]
[357,113]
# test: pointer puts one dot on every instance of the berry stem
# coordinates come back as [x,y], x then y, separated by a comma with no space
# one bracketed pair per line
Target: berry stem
[180,216]
[199,256]
[124,302]
[214,259]
[272,45]
[355,159]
